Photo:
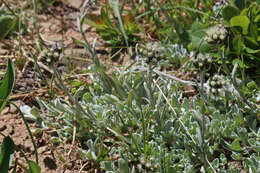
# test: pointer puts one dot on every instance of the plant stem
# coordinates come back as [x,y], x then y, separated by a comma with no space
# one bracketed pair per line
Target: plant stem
[150,80]
[39,39]
[7,6]
[72,99]
[144,129]
[29,131]
[202,77]
[233,80]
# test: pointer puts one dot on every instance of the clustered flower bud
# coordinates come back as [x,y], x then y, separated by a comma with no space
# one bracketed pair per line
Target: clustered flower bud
[216,83]
[216,34]
[152,51]
[149,164]
[49,56]
[202,62]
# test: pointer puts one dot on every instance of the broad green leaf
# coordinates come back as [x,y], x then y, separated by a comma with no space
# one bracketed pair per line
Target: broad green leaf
[7,24]
[241,21]
[197,33]
[240,4]
[229,11]
[6,156]
[7,84]
[34,167]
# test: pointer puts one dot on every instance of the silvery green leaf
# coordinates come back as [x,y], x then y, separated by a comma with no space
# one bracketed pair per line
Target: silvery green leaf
[26,110]
[199,136]
[123,166]
[108,166]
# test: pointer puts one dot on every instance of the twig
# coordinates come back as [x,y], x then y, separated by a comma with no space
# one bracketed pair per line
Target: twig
[81,169]
[7,56]
[170,76]
[20,96]
[175,113]
[175,78]
[74,136]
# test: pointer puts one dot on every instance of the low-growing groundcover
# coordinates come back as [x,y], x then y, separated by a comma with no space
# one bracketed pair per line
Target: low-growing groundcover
[139,118]
[128,135]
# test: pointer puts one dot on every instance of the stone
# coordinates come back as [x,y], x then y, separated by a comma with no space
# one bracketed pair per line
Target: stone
[74,3]
[42,149]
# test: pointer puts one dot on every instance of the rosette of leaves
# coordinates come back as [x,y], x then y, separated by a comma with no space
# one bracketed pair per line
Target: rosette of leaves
[216,84]
[175,56]
[152,52]
[215,34]
[49,56]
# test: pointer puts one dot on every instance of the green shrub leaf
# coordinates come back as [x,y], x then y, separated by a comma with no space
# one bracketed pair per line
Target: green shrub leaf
[6,156]
[229,11]
[7,23]
[241,21]
[7,84]
[197,32]
[240,4]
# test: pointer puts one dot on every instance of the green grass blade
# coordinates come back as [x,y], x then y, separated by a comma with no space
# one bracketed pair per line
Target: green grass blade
[7,84]
[115,6]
